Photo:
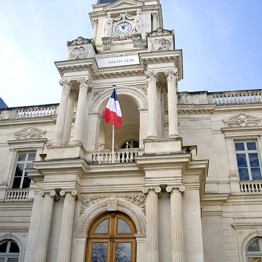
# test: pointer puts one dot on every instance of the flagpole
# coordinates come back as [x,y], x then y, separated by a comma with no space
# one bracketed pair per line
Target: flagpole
[113,144]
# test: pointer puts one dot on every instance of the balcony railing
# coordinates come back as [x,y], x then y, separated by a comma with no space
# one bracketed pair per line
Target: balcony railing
[251,186]
[120,156]
[16,194]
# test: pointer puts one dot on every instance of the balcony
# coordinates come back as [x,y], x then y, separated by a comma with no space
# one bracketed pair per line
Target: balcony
[120,156]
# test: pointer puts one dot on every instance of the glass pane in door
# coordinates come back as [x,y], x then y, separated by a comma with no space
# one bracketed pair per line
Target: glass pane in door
[123,252]
[99,252]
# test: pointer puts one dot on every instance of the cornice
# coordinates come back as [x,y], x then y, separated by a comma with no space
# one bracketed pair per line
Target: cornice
[27,121]
[107,188]
[195,109]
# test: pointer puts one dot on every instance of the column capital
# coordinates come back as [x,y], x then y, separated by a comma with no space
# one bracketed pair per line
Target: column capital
[156,189]
[151,75]
[72,192]
[171,74]
[65,83]
[51,193]
[155,15]
[172,188]
[85,82]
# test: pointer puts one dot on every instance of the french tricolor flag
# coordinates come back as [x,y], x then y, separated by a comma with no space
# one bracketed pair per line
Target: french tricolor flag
[112,113]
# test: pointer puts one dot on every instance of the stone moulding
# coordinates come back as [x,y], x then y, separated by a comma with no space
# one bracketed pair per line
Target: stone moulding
[29,133]
[103,205]
[242,120]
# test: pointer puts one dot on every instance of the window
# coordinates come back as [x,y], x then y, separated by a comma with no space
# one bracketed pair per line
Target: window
[24,161]
[111,239]
[9,251]
[254,250]
[130,144]
[248,160]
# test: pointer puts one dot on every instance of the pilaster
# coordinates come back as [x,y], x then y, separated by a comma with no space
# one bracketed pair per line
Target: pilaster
[60,123]
[177,228]
[84,86]
[45,226]
[152,223]
[152,101]
[64,247]
[172,78]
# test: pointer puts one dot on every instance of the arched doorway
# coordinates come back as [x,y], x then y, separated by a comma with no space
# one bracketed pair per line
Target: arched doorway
[111,238]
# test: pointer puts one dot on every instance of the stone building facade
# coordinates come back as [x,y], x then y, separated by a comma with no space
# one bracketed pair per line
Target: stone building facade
[184,182]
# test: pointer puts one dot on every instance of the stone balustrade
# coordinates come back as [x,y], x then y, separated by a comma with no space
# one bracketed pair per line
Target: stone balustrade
[251,186]
[16,194]
[29,112]
[120,156]
[236,97]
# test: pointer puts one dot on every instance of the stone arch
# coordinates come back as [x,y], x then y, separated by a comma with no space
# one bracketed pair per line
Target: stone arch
[11,236]
[137,95]
[134,212]
[247,238]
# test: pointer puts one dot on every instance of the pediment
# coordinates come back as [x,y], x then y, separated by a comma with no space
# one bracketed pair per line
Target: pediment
[242,120]
[29,133]
[124,4]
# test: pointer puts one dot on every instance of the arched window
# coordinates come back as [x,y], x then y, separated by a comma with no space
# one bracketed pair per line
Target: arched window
[9,251]
[111,239]
[254,250]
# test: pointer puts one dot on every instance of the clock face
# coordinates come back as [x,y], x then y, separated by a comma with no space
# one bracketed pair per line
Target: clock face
[123,28]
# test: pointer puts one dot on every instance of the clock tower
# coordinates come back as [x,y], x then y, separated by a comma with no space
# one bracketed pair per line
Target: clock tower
[124,25]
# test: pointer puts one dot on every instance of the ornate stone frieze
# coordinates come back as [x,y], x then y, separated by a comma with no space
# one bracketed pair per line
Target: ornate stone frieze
[29,133]
[242,120]
[89,200]
[160,44]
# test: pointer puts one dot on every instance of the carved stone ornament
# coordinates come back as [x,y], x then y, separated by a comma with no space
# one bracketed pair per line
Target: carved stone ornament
[79,41]
[161,44]
[160,31]
[89,200]
[29,133]
[106,43]
[242,120]
[78,53]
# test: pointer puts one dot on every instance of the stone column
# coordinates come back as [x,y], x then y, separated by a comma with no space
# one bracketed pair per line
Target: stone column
[45,226]
[80,113]
[152,102]
[152,224]
[155,16]
[177,228]
[66,231]
[69,117]
[60,122]
[172,102]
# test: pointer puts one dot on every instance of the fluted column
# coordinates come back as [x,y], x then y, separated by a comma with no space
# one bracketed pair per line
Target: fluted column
[152,224]
[84,85]
[45,226]
[172,102]
[177,228]
[60,122]
[152,102]
[69,117]
[64,247]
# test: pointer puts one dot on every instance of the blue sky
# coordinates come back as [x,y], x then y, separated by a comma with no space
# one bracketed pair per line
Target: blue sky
[221,42]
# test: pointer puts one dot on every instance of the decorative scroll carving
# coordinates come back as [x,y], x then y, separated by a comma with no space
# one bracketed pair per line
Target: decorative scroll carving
[242,120]
[79,41]
[29,133]
[161,44]
[136,199]
[79,53]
